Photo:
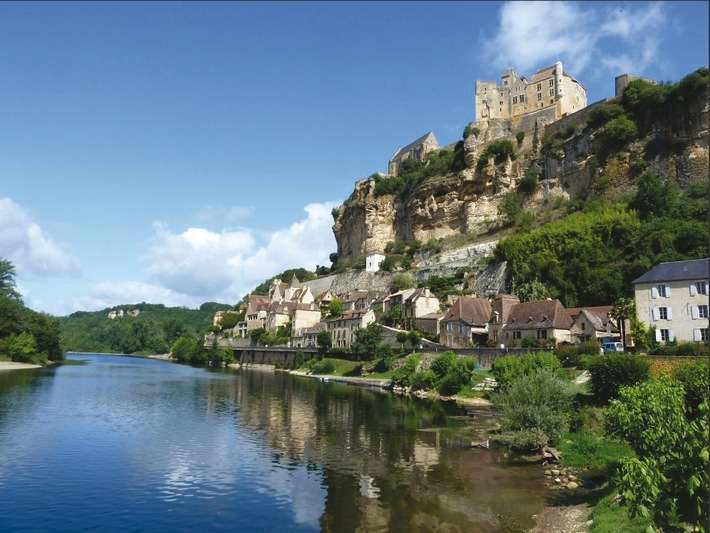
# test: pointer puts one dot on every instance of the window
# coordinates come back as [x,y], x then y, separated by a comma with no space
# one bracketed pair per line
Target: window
[517,334]
[698,311]
[703,334]
[663,313]
[661,291]
[539,96]
[515,99]
[541,333]
[552,92]
[699,287]
[551,83]
[665,335]
[584,326]
[522,98]
[539,86]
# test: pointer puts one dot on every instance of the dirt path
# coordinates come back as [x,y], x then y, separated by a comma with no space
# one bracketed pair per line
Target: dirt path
[563,519]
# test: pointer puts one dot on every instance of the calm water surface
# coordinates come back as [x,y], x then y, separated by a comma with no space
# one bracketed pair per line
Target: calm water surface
[111,443]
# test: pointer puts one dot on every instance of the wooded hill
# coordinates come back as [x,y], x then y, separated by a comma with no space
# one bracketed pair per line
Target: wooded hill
[152,331]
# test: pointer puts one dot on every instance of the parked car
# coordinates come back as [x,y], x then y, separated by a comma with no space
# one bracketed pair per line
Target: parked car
[611,347]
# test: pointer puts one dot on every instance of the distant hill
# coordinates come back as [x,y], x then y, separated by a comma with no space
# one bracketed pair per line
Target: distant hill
[152,330]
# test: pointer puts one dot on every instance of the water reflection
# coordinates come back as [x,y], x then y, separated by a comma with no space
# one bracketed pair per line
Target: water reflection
[135,444]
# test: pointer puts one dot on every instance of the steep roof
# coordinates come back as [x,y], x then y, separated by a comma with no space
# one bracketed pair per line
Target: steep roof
[676,271]
[574,311]
[473,311]
[542,314]
[599,320]
[414,144]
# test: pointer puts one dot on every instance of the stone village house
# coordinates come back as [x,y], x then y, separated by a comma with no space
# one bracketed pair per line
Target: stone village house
[416,150]
[673,298]
[466,322]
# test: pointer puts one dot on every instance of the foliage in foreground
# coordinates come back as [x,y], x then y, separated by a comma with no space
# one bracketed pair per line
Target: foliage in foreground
[668,479]
[614,371]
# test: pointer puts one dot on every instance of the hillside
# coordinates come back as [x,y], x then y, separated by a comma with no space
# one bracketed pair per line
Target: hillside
[593,154]
[597,170]
[152,330]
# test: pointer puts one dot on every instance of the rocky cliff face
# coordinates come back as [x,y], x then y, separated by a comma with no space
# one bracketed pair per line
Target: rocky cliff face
[676,148]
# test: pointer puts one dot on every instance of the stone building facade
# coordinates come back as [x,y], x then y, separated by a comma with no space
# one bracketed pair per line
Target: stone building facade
[549,87]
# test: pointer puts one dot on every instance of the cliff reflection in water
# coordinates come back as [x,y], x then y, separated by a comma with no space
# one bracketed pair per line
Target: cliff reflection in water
[388,463]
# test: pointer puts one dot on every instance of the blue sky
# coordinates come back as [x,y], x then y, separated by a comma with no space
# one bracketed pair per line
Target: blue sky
[184,152]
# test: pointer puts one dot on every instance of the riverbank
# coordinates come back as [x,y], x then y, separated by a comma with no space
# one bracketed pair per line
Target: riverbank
[11,365]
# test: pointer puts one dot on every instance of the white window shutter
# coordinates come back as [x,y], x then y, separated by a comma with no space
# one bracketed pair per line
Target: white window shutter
[696,334]
[655,314]
[706,287]
[670,335]
[654,292]
[658,335]
[668,291]
[669,310]
[694,312]
[693,292]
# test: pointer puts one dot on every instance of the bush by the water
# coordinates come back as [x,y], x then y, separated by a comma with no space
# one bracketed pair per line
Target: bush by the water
[613,371]
[508,369]
[538,403]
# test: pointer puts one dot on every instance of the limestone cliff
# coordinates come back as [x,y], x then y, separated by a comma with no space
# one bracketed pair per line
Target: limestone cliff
[674,145]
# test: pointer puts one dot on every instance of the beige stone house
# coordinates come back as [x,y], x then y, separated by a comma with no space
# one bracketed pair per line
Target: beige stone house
[416,150]
[342,329]
[418,303]
[550,87]
[466,322]
[429,324]
[500,310]
[256,311]
[673,298]
[593,324]
[547,321]
[308,337]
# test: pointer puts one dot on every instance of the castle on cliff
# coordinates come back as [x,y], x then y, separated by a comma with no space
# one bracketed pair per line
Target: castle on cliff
[550,87]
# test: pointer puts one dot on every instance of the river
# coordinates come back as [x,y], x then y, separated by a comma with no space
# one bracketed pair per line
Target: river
[113,443]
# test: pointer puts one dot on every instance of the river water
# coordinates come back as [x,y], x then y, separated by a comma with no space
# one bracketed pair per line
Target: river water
[111,443]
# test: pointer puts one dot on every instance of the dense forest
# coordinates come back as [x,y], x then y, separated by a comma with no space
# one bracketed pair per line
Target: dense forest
[25,335]
[152,331]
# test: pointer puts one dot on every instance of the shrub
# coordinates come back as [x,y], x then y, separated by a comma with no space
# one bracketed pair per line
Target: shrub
[457,377]
[324,367]
[510,206]
[528,184]
[621,130]
[423,380]
[539,401]
[509,369]
[520,136]
[403,376]
[529,342]
[442,364]
[695,380]
[611,372]
[603,113]
[299,359]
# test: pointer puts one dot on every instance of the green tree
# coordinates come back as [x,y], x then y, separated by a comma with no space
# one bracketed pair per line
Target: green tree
[19,348]
[173,328]
[667,480]
[624,308]
[335,308]
[510,206]
[183,349]
[367,340]
[414,337]
[402,337]
[325,341]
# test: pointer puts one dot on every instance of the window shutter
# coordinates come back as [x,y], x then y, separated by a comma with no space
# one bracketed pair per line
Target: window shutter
[655,314]
[654,292]
[670,335]
[658,335]
[706,288]
[669,310]
[668,291]
[693,292]
[696,334]
[694,312]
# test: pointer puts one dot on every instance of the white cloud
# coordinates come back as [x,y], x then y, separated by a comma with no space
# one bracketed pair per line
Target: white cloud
[589,38]
[23,242]
[112,293]
[203,265]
